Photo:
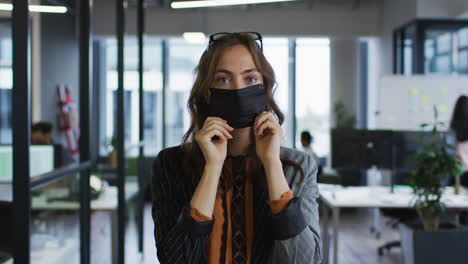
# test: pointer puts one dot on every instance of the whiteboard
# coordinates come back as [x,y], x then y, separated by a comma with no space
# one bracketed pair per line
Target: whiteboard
[406,102]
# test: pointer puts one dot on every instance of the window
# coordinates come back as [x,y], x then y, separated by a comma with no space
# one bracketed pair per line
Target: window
[462,59]
[183,58]
[276,51]
[152,97]
[463,38]
[6,83]
[407,55]
[429,53]
[313,92]
[440,52]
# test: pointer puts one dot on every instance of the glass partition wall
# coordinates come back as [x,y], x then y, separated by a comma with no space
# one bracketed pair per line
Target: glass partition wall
[55,229]
[6,82]
[6,155]
[431,47]
[39,130]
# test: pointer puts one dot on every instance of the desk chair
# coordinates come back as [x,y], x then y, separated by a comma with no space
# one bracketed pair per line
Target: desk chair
[398,215]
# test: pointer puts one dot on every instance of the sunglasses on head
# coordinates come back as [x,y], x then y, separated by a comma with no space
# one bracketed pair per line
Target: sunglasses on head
[218,36]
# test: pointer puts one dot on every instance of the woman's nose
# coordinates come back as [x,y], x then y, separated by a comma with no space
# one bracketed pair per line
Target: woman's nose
[237,84]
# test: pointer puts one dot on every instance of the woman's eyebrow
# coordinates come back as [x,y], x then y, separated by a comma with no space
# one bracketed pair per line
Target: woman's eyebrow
[230,73]
[250,70]
[224,71]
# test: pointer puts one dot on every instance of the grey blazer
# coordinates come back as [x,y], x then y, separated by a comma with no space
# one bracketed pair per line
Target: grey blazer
[292,236]
[306,247]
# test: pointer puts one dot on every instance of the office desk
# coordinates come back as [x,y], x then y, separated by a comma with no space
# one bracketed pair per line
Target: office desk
[335,197]
[107,201]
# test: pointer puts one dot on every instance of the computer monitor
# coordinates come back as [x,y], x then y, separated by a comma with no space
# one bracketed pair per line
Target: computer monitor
[408,144]
[41,160]
[354,150]
[361,149]
[346,146]
[377,149]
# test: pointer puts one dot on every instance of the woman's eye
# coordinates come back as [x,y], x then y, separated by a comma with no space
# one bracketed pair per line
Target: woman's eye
[223,80]
[251,79]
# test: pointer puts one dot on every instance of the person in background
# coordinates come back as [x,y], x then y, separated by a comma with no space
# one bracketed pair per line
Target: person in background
[306,141]
[230,193]
[41,133]
[459,124]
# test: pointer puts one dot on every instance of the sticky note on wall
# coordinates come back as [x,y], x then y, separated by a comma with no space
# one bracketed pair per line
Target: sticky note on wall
[425,98]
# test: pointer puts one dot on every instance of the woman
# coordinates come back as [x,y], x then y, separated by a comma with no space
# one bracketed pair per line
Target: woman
[459,124]
[230,193]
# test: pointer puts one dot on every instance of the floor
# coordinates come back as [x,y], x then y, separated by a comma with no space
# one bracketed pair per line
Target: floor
[357,244]
[54,243]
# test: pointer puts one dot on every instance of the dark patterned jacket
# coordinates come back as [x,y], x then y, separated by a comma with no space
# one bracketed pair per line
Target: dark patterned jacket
[292,236]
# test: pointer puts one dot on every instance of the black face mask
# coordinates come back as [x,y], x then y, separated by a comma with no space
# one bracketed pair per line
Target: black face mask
[238,107]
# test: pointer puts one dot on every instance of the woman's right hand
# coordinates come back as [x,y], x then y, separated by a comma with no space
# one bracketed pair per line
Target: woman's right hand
[214,151]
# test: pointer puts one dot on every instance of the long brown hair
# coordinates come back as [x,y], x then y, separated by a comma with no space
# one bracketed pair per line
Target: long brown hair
[199,99]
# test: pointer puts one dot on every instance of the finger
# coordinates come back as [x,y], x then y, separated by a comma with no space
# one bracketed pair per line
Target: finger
[267,125]
[215,132]
[211,118]
[208,135]
[218,125]
[221,123]
[221,128]
[265,117]
[225,125]
[260,119]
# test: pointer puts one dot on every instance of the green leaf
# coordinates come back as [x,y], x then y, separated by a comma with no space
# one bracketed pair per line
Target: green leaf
[436,114]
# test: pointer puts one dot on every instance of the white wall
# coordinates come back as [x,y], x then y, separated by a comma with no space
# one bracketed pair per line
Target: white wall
[344,71]
[320,21]
[374,69]
[441,8]
[5,14]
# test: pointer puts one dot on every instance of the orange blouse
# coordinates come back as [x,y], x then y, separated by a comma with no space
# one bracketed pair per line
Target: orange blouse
[215,242]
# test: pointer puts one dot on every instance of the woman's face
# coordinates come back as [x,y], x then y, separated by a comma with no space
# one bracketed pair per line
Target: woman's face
[236,69]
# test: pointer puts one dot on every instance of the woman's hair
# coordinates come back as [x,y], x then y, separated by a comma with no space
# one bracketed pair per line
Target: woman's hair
[198,102]
[459,121]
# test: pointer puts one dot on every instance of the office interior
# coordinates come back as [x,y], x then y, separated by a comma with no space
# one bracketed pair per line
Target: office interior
[112,78]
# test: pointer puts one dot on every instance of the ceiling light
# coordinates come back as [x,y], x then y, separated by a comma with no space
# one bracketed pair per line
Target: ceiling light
[212,3]
[47,9]
[6,7]
[194,37]
[37,8]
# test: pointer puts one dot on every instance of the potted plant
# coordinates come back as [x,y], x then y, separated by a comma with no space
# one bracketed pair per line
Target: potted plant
[112,149]
[341,117]
[344,123]
[424,241]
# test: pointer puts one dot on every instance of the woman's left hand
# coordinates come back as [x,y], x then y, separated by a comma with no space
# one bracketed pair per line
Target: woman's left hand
[268,135]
